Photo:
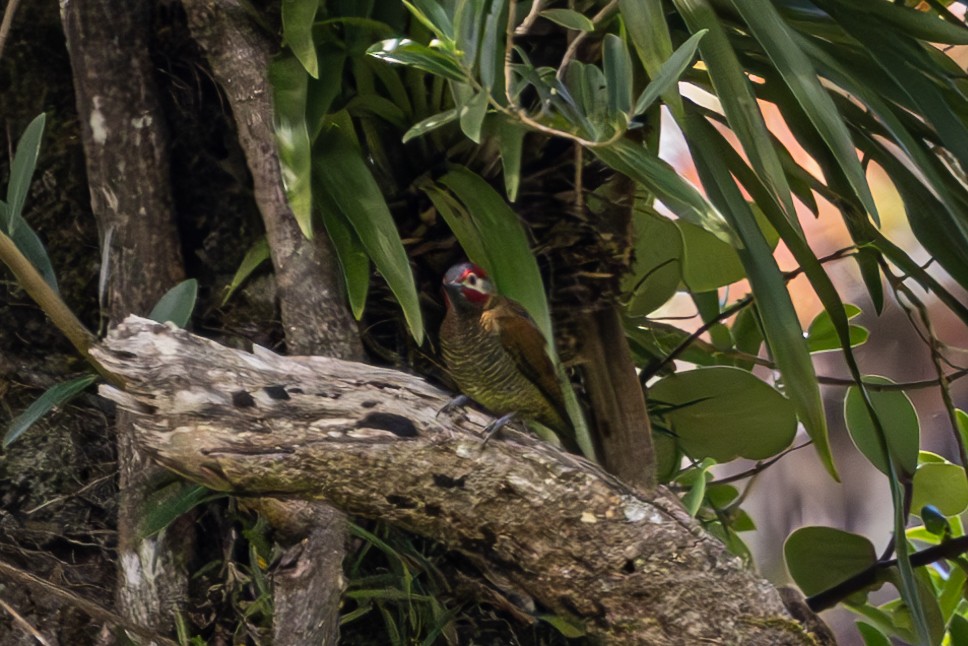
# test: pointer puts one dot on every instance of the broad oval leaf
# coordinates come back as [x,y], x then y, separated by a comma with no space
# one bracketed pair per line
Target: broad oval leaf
[472,115]
[942,486]
[177,304]
[819,558]
[56,395]
[657,270]
[707,262]
[898,419]
[822,335]
[724,413]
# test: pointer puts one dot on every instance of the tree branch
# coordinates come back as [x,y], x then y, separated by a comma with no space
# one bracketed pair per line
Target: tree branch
[633,568]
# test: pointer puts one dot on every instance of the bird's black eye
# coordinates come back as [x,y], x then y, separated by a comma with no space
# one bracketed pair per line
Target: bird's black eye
[472,280]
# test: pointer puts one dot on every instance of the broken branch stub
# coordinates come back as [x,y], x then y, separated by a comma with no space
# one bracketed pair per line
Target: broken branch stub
[634,569]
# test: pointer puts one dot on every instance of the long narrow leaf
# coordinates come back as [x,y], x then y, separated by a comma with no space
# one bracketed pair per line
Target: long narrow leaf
[505,243]
[655,175]
[344,176]
[738,101]
[290,86]
[781,326]
[798,73]
[668,75]
[297,30]
[21,170]
[55,396]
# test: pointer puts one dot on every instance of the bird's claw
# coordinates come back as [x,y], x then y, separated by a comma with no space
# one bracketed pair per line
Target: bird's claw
[457,402]
[495,427]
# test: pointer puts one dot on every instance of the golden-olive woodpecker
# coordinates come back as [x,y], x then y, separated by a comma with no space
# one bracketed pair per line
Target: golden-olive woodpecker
[496,354]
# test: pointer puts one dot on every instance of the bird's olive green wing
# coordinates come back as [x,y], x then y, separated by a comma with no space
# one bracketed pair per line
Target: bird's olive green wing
[524,342]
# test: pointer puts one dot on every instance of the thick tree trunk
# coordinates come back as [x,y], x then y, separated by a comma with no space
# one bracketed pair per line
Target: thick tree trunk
[315,316]
[632,567]
[125,144]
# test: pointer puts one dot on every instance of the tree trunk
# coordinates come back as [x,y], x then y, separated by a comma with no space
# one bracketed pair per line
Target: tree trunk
[125,144]
[315,316]
[631,567]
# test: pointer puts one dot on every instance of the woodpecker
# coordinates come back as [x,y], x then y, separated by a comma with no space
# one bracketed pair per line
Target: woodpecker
[496,354]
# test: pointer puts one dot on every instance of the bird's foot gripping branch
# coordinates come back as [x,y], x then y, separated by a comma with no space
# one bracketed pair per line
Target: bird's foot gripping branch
[629,568]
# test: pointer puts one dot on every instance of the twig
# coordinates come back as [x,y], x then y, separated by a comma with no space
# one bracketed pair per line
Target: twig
[51,303]
[7,23]
[934,345]
[528,21]
[92,609]
[597,19]
[760,466]
[33,632]
[832,596]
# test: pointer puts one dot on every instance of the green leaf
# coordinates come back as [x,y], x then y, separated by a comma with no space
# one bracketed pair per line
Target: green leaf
[738,101]
[297,31]
[781,327]
[177,304]
[617,65]
[504,242]
[934,520]
[708,262]
[346,179]
[257,254]
[56,395]
[696,481]
[565,626]
[819,558]
[290,86]
[669,74]
[433,16]
[644,167]
[942,486]
[658,262]
[898,419]
[798,73]
[29,244]
[21,171]
[569,19]
[723,413]
[646,24]
[472,116]
[822,335]
[510,139]
[402,51]
[432,122]
[871,635]
[351,256]
[166,505]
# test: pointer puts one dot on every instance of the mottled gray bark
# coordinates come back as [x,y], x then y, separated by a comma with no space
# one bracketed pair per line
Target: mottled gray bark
[631,566]
[315,315]
[126,152]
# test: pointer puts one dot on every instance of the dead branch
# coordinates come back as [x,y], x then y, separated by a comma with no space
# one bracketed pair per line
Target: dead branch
[635,569]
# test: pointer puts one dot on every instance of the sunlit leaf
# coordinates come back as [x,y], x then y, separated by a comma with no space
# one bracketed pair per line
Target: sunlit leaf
[403,51]
[898,419]
[297,31]
[942,486]
[752,419]
[290,86]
